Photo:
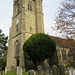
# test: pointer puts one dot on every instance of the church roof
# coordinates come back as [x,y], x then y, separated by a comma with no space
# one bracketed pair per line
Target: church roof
[64,43]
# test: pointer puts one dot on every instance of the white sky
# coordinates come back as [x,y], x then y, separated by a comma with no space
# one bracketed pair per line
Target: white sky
[49,9]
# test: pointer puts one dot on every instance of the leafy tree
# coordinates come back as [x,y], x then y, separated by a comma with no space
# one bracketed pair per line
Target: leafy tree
[2,64]
[65,19]
[3,41]
[3,55]
[39,47]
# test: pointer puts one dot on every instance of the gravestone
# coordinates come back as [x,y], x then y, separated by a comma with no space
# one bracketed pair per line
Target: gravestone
[0,72]
[19,70]
[31,72]
[55,70]
[39,70]
[61,69]
[71,71]
[67,72]
[47,69]
[5,69]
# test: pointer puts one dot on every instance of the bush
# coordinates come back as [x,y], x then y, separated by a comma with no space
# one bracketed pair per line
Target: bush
[30,65]
[2,64]
[39,47]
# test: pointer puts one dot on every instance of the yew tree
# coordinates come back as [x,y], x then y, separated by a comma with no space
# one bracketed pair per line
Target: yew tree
[39,47]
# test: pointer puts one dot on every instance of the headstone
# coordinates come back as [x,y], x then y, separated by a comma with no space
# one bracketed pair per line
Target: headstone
[55,70]
[19,70]
[71,72]
[74,72]
[39,70]
[31,72]
[67,72]
[5,69]
[61,69]
[47,69]
[0,72]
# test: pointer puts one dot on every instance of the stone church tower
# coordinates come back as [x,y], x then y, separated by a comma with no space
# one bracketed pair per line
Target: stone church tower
[27,20]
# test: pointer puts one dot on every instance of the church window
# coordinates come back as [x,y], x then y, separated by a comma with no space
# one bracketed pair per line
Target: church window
[18,8]
[64,57]
[17,27]
[17,22]
[30,8]
[73,57]
[17,50]
[30,29]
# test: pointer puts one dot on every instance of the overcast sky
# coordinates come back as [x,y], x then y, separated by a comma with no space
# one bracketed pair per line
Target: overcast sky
[49,8]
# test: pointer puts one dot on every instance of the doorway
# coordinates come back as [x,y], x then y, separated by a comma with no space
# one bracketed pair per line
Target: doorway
[17,62]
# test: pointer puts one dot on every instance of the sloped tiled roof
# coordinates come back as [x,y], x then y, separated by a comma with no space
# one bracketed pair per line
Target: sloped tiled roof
[64,43]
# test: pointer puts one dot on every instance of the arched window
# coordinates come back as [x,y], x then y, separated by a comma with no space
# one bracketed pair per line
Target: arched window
[30,29]
[64,57]
[18,8]
[17,27]
[17,49]
[28,6]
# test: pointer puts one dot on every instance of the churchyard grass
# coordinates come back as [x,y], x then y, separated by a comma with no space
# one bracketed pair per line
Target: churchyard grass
[14,73]
[11,73]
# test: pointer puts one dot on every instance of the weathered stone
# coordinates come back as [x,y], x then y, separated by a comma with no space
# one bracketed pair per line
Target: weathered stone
[31,72]
[5,69]
[71,72]
[55,70]
[39,70]
[0,72]
[67,72]
[61,69]
[24,24]
[19,70]
[47,69]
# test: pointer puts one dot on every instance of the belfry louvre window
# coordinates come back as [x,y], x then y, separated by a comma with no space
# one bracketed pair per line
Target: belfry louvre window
[18,8]
[29,7]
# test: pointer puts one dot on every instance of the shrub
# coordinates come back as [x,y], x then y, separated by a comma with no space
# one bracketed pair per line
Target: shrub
[39,47]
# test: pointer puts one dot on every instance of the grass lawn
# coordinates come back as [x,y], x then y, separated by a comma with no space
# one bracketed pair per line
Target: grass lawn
[11,73]
[14,73]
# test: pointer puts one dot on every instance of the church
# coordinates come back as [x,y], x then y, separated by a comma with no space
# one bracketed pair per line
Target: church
[27,19]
